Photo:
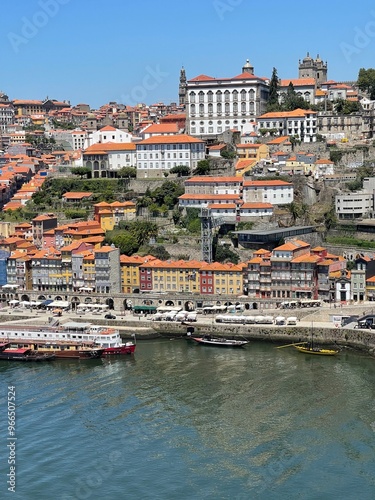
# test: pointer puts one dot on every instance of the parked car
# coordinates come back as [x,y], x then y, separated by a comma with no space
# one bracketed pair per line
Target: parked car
[110,316]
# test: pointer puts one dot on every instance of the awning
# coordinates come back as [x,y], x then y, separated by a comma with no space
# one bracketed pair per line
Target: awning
[59,303]
[47,302]
[144,308]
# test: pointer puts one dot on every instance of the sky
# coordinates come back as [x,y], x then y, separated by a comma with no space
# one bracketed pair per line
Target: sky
[95,51]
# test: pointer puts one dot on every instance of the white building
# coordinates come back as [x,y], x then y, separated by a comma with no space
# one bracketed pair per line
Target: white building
[79,139]
[206,200]
[213,185]
[157,155]
[6,116]
[105,160]
[300,123]
[255,210]
[108,134]
[354,205]
[274,192]
[214,105]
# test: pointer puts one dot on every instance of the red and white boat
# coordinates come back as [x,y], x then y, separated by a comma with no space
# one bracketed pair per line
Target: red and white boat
[106,339]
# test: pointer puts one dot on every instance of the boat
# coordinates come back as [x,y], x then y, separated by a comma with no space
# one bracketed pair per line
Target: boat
[218,341]
[57,349]
[309,349]
[89,336]
[23,354]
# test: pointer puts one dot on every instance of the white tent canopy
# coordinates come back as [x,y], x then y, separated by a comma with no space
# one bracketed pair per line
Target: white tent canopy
[62,304]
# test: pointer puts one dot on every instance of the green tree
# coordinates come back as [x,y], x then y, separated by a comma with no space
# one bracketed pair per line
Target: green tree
[293,101]
[273,96]
[127,172]
[203,167]
[81,172]
[180,170]
[366,81]
[224,254]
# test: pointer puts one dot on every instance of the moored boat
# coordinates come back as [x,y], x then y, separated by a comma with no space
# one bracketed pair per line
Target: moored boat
[308,349]
[108,340]
[218,341]
[23,354]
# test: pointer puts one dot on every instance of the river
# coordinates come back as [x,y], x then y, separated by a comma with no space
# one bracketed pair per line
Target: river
[183,421]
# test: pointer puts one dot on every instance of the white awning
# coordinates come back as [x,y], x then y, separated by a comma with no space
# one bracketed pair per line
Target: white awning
[62,304]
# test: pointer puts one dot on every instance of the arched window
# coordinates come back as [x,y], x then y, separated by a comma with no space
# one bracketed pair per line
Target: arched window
[235,95]
[192,109]
[192,96]
[226,96]
[243,95]
[218,107]
[201,96]
[243,107]
[210,96]
[219,96]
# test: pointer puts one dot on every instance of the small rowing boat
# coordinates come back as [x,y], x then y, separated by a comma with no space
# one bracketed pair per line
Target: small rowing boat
[218,341]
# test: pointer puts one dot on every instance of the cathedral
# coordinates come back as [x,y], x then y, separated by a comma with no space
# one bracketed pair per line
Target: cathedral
[313,68]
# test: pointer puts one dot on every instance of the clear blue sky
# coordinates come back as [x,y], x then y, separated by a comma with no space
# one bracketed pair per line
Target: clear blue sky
[96,51]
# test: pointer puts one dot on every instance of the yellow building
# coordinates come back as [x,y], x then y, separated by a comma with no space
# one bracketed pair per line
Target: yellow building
[222,279]
[254,152]
[175,276]
[129,267]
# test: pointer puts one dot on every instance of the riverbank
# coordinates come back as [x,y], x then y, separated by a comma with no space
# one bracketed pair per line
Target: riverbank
[317,322]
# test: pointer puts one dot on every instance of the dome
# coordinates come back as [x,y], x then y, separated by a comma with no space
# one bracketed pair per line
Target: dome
[307,58]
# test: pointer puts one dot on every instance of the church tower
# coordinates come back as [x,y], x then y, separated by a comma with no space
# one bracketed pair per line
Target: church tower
[182,88]
[313,68]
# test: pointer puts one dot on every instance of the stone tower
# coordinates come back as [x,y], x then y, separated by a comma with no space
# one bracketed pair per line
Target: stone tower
[313,68]
[247,68]
[182,88]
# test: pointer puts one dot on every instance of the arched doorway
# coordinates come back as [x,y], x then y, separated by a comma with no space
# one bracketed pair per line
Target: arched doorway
[128,304]
[110,303]
[75,303]
[169,303]
[189,306]
[25,298]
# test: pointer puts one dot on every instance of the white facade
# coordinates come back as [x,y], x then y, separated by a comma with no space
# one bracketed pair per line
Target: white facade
[213,185]
[299,123]
[256,210]
[157,155]
[205,200]
[215,105]
[6,116]
[78,140]
[108,134]
[354,205]
[274,192]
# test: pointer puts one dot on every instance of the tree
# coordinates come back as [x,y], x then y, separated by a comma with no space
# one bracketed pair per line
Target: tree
[127,172]
[366,81]
[180,170]
[273,96]
[81,172]
[203,167]
[293,101]
[344,107]
[225,254]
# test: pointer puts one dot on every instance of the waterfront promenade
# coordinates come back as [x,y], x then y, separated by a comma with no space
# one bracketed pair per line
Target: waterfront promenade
[320,321]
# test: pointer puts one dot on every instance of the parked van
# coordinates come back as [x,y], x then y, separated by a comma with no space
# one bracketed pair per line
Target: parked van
[292,320]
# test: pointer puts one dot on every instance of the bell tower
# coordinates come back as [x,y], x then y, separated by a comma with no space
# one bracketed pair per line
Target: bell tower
[182,88]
